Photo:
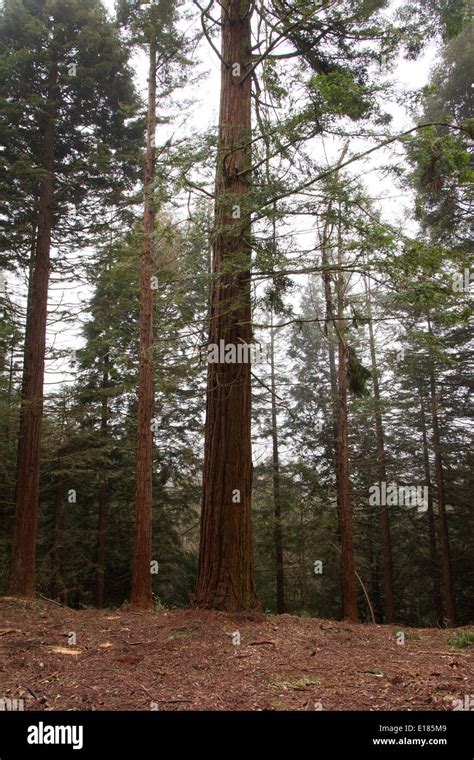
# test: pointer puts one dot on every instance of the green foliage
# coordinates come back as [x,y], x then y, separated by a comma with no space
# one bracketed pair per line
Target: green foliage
[462,639]
[440,156]
[339,94]
[357,374]
[63,61]
[427,18]
[80,456]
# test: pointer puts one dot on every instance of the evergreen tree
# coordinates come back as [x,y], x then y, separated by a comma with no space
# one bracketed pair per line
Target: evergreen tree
[70,84]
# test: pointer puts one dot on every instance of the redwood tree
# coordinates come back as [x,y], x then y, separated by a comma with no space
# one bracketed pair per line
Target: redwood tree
[22,580]
[225,575]
[69,145]
[154,27]
[348,577]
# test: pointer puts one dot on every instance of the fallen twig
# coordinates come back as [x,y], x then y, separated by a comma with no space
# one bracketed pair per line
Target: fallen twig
[255,643]
[443,654]
[147,692]
[48,677]
[53,601]
[164,701]
[136,643]
[172,701]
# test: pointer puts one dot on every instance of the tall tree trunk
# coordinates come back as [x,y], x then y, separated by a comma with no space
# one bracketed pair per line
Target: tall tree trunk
[375,595]
[103,494]
[9,392]
[101,540]
[330,332]
[277,504]
[302,557]
[388,600]
[277,533]
[331,341]
[225,574]
[22,578]
[142,596]
[349,593]
[434,566]
[448,594]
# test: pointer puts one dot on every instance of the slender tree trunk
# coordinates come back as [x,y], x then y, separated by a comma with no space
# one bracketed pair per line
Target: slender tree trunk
[101,540]
[388,600]
[278,533]
[332,360]
[302,553]
[277,505]
[434,559]
[225,574]
[448,594]
[376,595]
[331,341]
[9,393]
[349,592]
[331,336]
[56,581]
[103,494]
[142,596]
[22,578]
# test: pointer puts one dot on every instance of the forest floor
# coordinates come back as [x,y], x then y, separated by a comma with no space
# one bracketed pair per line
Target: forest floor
[186,660]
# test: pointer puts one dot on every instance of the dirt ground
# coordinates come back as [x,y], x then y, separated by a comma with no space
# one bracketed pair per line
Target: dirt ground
[56,658]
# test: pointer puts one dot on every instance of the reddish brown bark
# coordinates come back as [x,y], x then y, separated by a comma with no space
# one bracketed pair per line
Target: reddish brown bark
[330,332]
[348,577]
[225,575]
[142,596]
[22,578]
[331,341]
[388,597]
[448,594]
